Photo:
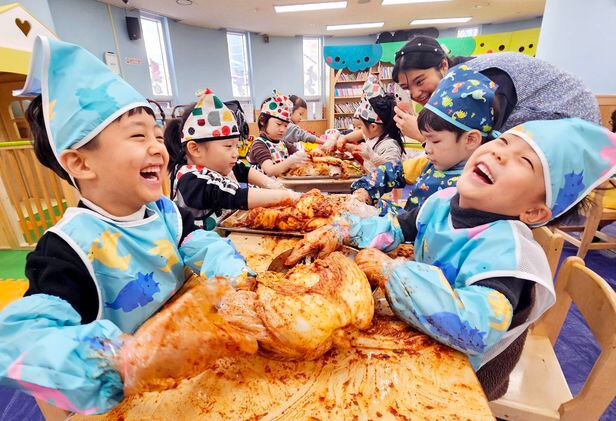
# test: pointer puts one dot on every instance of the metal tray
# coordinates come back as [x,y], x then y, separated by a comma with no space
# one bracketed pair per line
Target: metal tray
[245,230]
[317,177]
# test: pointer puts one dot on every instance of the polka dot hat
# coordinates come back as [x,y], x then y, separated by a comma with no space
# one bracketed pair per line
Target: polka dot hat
[209,120]
[278,106]
[371,89]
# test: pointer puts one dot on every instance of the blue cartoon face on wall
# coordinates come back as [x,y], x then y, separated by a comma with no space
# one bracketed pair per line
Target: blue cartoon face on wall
[354,58]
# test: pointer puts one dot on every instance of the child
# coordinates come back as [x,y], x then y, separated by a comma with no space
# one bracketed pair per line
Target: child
[458,117]
[268,152]
[479,279]
[204,168]
[114,260]
[295,133]
[383,141]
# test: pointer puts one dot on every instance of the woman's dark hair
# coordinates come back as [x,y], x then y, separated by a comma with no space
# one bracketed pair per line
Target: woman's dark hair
[422,52]
[173,142]
[298,102]
[384,107]
[42,147]
[613,121]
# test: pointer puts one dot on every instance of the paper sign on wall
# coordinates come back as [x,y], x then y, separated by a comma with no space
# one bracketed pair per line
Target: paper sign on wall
[111,60]
[132,60]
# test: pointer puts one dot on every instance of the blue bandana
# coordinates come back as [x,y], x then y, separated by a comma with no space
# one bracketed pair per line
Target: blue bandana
[465,98]
[577,156]
[80,94]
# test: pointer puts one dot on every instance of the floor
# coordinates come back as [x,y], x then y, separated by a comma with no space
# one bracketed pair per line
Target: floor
[576,349]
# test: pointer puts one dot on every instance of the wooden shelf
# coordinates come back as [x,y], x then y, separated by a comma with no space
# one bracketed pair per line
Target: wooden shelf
[347,97]
[351,81]
[336,113]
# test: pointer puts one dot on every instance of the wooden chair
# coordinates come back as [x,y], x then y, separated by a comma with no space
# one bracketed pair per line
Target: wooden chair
[537,387]
[52,413]
[594,216]
[552,245]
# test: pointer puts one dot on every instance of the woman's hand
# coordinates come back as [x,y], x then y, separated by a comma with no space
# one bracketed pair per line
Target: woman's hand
[407,123]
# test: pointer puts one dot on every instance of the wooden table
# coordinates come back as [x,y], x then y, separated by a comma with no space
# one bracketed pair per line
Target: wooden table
[419,380]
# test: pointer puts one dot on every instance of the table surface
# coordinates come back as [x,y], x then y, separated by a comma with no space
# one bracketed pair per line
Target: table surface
[408,376]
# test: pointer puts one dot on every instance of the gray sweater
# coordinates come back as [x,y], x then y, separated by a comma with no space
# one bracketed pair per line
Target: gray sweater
[296,134]
[544,92]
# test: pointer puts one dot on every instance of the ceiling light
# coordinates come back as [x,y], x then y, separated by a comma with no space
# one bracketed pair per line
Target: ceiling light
[308,7]
[355,26]
[391,2]
[438,21]
[184,2]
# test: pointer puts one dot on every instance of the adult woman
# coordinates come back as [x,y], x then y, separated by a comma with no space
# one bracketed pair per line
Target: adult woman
[528,88]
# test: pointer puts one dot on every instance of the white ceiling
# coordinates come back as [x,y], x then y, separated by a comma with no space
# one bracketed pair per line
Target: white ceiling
[259,16]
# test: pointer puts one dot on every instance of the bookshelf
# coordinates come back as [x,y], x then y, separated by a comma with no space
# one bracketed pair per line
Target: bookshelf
[345,92]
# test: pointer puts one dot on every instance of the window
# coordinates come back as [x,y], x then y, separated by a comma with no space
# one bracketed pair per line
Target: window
[471,31]
[312,67]
[157,57]
[237,44]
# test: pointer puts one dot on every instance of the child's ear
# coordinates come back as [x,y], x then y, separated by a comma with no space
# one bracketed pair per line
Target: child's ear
[473,140]
[536,215]
[76,165]
[193,148]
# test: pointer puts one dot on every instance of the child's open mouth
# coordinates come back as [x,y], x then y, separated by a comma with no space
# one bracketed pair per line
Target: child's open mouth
[483,173]
[151,173]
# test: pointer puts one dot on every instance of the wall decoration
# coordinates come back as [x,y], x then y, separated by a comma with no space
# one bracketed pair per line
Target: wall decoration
[524,41]
[18,30]
[352,57]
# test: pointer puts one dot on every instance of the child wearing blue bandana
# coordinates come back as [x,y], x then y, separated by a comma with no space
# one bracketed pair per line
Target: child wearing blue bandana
[457,119]
[114,260]
[479,279]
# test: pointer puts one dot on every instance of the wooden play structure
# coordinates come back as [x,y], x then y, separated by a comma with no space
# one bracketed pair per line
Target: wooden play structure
[32,198]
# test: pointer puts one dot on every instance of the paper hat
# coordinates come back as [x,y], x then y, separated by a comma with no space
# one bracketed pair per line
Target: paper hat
[371,89]
[80,94]
[278,106]
[209,120]
[576,155]
[465,98]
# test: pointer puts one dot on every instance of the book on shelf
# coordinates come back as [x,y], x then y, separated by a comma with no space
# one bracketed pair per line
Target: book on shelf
[358,76]
[343,122]
[348,91]
[386,72]
[346,107]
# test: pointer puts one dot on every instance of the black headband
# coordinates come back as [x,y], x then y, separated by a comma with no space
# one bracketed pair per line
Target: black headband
[420,48]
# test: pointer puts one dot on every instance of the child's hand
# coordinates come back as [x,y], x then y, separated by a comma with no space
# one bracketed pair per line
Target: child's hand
[324,240]
[298,159]
[273,184]
[365,151]
[374,263]
[363,196]
[341,142]
[329,145]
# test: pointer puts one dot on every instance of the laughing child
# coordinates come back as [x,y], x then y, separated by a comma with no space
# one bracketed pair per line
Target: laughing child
[479,279]
[111,262]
